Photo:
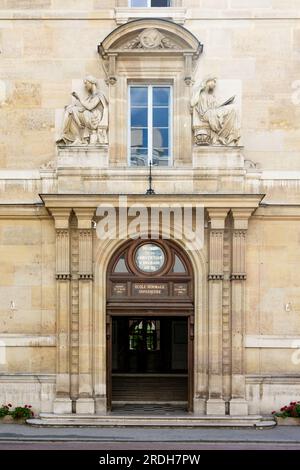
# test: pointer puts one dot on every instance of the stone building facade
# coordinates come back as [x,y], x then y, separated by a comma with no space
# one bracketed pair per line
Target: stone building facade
[207,91]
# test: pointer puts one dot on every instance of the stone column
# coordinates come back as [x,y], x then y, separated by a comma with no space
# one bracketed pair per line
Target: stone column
[215,403]
[238,403]
[85,402]
[62,403]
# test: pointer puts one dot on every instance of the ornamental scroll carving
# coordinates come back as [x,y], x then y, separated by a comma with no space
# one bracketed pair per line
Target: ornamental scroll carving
[150,38]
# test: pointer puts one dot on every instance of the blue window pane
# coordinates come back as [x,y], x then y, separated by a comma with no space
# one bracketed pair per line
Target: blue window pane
[139,117]
[160,3]
[161,96]
[139,96]
[160,157]
[139,138]
[160,137]
[160,117]
[138,3]
[139,157]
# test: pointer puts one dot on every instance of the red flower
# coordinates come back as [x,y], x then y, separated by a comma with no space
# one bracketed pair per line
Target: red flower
[10,405]
[29,406]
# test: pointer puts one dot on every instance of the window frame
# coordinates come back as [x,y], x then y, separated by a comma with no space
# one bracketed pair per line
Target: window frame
[148,5]
[149,87]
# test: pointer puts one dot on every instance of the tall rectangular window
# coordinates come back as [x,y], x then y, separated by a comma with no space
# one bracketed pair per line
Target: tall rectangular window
[150,125]
[149,3]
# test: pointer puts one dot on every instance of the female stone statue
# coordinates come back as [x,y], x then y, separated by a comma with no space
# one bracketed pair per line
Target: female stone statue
[83,121]
[213,123]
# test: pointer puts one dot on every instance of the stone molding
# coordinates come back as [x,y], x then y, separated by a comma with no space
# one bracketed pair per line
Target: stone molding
[272,341]
[215,277]
[241,202]
[18,377]
[27,340]
[124,14]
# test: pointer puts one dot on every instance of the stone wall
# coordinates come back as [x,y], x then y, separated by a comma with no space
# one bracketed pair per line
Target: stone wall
[45,47]
[52,43]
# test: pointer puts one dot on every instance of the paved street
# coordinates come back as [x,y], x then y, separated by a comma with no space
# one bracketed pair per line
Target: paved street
[26,437]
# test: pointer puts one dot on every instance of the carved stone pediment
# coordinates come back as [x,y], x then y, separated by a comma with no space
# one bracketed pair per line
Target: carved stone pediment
[151,37]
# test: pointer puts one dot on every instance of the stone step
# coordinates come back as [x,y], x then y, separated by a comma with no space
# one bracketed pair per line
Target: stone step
[47,419]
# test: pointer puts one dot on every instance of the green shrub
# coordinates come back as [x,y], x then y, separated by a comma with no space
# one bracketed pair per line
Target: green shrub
[22,412]
[5,410]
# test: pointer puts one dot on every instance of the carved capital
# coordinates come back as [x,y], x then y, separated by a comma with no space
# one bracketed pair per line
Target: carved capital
[84,217]
[217,217]
[61,216]
[241,217]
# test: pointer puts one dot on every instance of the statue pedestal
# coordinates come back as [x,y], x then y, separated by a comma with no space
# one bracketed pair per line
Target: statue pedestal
[76,164]
[218,158]
[224,169]
[82,156]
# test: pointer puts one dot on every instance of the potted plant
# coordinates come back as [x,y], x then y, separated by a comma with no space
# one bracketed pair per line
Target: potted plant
[288,415]
[22,413]
[19,414]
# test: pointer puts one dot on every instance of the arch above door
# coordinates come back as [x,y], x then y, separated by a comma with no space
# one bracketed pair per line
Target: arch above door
[150,275]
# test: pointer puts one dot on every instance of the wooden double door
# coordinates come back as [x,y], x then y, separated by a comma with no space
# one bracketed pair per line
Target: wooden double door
[150,324]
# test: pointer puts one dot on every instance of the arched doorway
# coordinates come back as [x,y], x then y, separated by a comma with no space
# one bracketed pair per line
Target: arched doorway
[150,324]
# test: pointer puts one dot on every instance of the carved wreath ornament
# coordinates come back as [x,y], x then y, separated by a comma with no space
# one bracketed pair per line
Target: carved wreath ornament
[150,38]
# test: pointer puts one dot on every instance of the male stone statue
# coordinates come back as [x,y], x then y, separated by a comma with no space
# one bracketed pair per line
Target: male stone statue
[83,122]
[213,123]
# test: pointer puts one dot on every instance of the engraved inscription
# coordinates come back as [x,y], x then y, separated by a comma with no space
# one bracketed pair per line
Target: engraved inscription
[149,258]
[120,289]
[149,289]
[180,290]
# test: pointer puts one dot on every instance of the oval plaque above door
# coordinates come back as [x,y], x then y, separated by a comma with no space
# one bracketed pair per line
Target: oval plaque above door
[149,258]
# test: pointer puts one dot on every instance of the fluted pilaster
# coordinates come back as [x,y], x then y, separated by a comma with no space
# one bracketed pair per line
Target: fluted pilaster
[215,403]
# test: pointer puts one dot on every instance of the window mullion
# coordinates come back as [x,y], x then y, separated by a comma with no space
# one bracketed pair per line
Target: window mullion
[150,124]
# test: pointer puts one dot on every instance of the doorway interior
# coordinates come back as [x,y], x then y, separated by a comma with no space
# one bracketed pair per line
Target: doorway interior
[150,360]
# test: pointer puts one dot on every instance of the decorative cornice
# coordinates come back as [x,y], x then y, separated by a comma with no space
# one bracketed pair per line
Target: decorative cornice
[85,277]
[215,277]
[238,277]
[125,14]
[220,200]
[63,277]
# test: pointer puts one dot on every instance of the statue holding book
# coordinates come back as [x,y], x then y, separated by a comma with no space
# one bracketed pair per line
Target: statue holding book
[213,123]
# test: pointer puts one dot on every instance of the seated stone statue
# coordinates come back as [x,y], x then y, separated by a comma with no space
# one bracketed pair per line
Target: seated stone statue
[213,123]
[85,122]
